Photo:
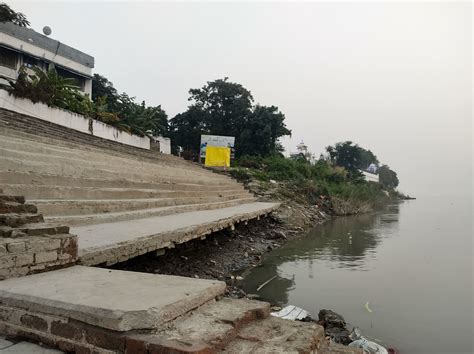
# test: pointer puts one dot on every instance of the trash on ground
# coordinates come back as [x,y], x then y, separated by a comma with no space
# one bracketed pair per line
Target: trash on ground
[291,312]
[268,281]
[366,345]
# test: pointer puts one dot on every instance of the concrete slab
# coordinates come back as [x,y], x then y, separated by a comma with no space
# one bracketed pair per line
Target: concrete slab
[112,299]
[28,348]
[108,242]
[5,343]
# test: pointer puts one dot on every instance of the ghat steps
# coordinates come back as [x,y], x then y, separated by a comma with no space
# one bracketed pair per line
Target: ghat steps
[95,310]
[120,201]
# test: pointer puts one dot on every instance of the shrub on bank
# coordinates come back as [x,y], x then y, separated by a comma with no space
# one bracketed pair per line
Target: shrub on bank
[313,182]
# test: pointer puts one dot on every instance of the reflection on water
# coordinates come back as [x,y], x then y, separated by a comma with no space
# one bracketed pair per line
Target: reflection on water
[395,259]
[342,243]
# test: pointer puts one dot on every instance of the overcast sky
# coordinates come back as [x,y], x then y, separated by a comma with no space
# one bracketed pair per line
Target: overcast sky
[394,77]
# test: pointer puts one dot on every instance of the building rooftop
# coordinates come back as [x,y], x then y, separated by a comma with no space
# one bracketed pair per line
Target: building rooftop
[49,44]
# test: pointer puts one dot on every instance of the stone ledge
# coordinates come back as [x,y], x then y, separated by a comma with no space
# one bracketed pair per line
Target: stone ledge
[112,299]
[120,251]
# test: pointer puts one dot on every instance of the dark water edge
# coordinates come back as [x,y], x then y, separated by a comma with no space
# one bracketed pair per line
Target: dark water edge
[411,261]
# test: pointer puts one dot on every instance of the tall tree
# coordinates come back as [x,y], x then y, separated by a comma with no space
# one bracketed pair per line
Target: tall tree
[222,107]
[186,129]
[388,178]
[262,129]
[226,104]
[102,87]
[352,157]
[9,15]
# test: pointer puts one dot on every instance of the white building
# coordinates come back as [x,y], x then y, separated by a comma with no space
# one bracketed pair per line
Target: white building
[20,46]
[302,150]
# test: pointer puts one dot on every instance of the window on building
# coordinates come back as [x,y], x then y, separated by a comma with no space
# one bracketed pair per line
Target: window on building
[8,58]
[79,80]
[30,62]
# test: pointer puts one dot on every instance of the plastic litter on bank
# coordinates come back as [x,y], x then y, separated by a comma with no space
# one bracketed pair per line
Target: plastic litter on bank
[291,312]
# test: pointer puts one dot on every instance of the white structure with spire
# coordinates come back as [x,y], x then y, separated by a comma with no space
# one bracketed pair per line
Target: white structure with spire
[302,150]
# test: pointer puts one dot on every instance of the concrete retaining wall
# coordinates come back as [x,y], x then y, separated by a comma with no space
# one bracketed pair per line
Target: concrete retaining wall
[70,120]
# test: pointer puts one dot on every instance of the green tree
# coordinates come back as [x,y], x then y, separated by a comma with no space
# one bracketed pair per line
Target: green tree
[102,87]
[9,15]
[226,105]
[352,157]
[133,117]
[261,131]
[222,107]
[388,178]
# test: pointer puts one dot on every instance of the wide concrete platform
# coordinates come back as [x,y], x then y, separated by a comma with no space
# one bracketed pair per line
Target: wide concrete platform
[116,242]
[112,299]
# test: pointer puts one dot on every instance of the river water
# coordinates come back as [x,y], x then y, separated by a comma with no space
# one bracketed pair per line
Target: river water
[411,261]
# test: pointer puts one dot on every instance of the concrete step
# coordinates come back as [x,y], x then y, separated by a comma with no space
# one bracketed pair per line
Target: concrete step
[36,144]
[59,207]
[211,326]
[11,198]
[65,169]
[35,229]
[111,299]
[16,220]
[7,207]
[110,243]
[63,192]
[92,219]
[23,150]
[26,127]
[16,177]
[106,163]
[277,335]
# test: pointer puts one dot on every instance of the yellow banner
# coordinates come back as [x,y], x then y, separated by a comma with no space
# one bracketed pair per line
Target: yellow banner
[217,156]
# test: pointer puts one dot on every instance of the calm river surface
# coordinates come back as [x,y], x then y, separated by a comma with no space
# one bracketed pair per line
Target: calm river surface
[411,261]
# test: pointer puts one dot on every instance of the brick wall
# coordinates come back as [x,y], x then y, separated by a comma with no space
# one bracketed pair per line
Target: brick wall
[25,255]
[28,244]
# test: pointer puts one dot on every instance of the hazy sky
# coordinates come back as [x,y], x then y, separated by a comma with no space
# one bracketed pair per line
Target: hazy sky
[394,77]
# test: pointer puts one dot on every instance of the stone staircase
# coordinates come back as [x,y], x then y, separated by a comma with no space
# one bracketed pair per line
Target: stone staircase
[80,180]
[27,244]
[92,310]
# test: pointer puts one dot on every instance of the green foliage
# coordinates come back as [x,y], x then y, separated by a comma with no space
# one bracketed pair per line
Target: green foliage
[250,161]
[261,130]
[225,108]
[240,174]
[186,129]
[352,157]
[387,177]
[9,15]
[104,90]
[130,116]
[311,182]
[50,88]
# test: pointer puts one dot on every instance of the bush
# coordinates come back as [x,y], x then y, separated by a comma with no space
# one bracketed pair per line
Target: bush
[249,161]
[240,174]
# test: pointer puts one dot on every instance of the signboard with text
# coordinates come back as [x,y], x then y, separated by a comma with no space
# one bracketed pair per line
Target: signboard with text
[218,141]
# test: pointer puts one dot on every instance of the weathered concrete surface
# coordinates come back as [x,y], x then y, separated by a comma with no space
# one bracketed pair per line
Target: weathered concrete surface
[276,335]
[5,343]
[112,299]
[119,241]
[109,217]
[27,348]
